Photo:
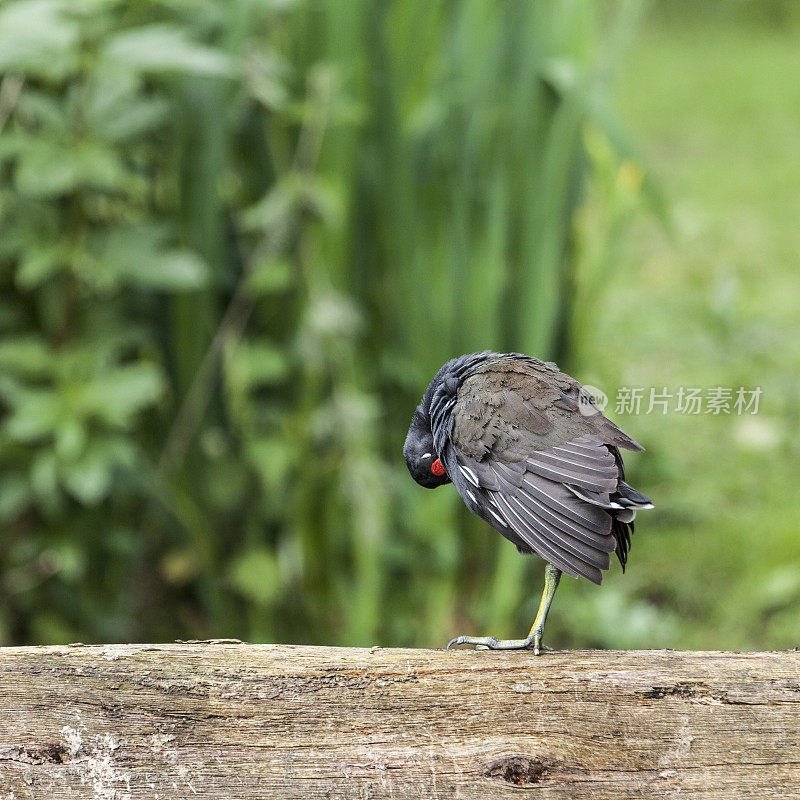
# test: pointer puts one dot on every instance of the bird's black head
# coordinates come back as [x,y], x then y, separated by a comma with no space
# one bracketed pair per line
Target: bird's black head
[429,435]
[421,457]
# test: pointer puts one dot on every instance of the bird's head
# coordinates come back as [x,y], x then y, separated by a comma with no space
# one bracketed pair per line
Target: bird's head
[421,457]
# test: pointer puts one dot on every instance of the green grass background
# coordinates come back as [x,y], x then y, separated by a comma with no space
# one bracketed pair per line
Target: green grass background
[713,101]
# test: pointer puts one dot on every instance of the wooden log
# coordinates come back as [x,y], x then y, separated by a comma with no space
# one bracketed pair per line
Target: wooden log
[229,721]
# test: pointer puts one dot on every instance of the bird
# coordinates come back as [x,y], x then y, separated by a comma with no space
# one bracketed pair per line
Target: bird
[530,452]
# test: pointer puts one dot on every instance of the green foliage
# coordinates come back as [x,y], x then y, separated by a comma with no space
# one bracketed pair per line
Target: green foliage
[238,239]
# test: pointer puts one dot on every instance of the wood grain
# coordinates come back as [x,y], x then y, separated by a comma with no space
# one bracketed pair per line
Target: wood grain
[226,720]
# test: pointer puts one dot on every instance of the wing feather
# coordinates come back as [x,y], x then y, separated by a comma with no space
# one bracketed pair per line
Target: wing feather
[560,499]
[532,502]
[565,561]
[603,541]
[574,469]
[596,556]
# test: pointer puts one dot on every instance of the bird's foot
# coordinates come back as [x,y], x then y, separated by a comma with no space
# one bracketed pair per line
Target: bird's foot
[533,642]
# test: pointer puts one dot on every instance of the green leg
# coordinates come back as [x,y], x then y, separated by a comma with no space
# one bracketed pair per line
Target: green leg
[552,575]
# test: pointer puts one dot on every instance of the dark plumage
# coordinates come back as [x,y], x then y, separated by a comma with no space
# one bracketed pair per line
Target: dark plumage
[531,454]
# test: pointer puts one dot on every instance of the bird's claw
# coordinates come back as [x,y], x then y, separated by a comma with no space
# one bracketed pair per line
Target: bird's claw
[480,642]
[533,643]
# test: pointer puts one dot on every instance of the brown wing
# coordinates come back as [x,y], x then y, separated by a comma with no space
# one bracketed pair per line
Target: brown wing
[513,406]
[538,469]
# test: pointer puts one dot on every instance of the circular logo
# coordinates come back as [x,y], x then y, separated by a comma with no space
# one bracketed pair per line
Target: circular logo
[591,401]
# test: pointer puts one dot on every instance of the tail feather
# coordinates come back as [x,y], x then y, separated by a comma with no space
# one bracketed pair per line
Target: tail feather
[622,533]
[631,500]
[621,505]
[629,497]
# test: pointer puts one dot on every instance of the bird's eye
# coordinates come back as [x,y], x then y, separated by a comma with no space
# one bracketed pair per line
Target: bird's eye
[437,468]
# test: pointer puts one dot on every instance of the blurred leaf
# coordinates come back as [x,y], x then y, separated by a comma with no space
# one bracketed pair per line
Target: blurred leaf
[273,210]
[272,458]
[254,363]
[780,587]
[68,560]
[332,315]
[39,262]
[12,143]
[171,270]
[35,416]
[88,479]
[324,198]
[141,255]
[44,481]
[123,114]
[269,276]
[266,75]
[166,48]
[26,355]
[118,106]
[70,439]
[44,110]
[37,37]
[564,74]
[48,168]
[111,91]
[294,194]
[254,574]
[15,495]
[115,395]
[12,390]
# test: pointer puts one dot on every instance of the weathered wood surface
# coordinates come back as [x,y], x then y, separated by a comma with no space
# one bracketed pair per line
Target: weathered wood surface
[228,721]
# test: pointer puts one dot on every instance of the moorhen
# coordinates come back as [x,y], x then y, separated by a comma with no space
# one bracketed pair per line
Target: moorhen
[530,453]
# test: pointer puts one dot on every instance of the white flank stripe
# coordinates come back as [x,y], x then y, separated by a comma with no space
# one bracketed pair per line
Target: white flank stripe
[593,456]
[577,493]
[498,517]
[566,475]
[470,476]
[567,461]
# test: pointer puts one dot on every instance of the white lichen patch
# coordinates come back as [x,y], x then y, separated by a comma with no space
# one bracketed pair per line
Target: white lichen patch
[72,740]
[160,740]
[108,782]
[95,765]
